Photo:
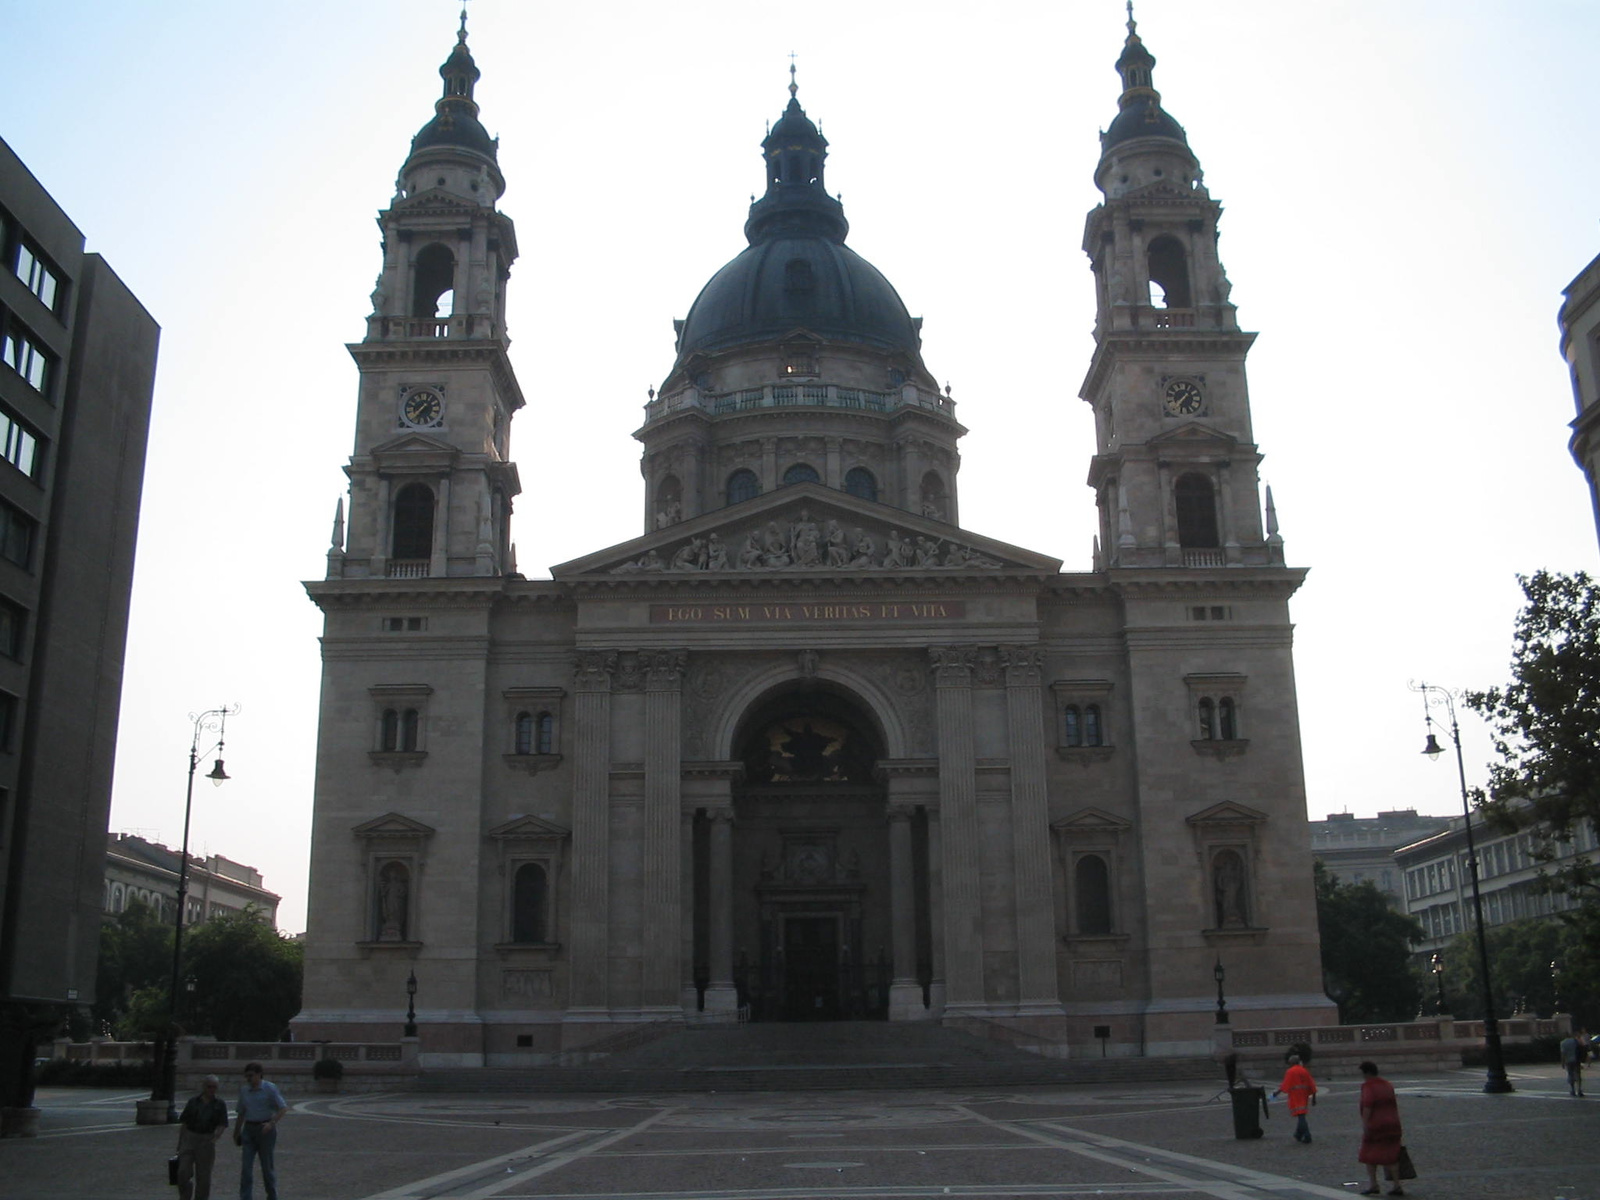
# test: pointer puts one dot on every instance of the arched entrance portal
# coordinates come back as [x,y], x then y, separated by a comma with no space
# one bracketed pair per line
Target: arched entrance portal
[812,921]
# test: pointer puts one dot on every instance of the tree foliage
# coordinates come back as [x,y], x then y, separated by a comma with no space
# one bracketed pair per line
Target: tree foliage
[1366,951]
[247,978]
[135,953]
[1520,954]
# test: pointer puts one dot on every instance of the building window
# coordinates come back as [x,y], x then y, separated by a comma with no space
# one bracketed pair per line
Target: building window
[18,444]
[523,740]
[8,720]
[13,626]
[1082,726]
[413,522]
[1230,891]
[535,734]
[1208,719]
[435,269]
[16,535]
[400,726]
[529,904]
[1196,504]
[1093,896]
[743,485]
[36,276]
[1091,725]
[1169,274]
[859,481]
[1227,726]
[801,473]
[935,500]
[1072,726]
[26,357]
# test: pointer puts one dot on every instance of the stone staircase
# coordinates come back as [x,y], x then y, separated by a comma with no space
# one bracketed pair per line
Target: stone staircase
[845,1054]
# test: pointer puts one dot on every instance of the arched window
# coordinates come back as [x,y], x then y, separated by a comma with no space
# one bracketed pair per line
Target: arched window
[408,730]
[1229,890]
[859,481]
[544,731]
[436,277]
[1093,894]
[413,522]
[934,502]
[1196,503]
[529,902]
[1208,720]
[1169,272]
[801,473]
[669,502]
[1227,726]
[743,485]
[389,738]
[1091,726]
[524,736]
[1073,726]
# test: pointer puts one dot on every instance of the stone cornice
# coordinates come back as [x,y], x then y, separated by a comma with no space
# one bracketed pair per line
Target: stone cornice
[493,353]
[1159,344]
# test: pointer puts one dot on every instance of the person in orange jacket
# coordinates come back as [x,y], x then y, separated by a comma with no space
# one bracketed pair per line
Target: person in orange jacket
[1302,1092]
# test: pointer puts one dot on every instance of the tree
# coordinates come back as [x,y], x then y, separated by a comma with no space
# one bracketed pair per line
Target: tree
[1520,954]
[1366,951]
[135,953]
[247,978]
[1546,730]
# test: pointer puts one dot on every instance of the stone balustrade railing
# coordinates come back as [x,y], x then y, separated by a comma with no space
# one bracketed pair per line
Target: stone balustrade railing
[790,395]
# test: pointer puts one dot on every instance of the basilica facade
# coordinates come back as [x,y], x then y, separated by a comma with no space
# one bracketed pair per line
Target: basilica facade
[807,748]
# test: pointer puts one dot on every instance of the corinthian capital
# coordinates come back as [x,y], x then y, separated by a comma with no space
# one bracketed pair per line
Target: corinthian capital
[953,665]
[1023,664]
[592,670]
[663,668]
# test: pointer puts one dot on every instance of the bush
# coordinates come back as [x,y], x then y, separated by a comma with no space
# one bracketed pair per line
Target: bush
[64,1072]
[327,1068]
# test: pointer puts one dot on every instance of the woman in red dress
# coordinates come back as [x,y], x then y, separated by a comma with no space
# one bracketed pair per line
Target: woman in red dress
[1380,1130]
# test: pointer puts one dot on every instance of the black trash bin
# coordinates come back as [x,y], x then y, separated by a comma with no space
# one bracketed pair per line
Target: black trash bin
[1249,1103]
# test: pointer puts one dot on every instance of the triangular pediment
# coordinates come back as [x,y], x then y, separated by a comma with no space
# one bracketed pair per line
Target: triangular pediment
[1194,436]
[411,442]
[393,824]
[1090,821]
[433,200]
[1227,813]
[807,530]
[529,828]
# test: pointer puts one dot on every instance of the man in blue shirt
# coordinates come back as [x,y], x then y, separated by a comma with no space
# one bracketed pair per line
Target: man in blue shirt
[261,1107]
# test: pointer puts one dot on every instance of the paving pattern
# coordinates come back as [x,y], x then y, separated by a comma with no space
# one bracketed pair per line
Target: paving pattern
[1127,1141]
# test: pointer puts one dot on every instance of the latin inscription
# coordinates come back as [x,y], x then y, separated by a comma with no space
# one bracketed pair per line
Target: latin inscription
[875,613]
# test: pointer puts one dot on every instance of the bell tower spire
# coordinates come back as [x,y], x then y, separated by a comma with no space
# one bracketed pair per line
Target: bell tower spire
[431,481]
[1175,467]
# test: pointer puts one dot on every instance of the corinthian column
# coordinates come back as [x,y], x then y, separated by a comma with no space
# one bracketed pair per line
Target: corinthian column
[958,808]
[1030,831]
[905,993]
[721,995]
[591,821]
[661,881]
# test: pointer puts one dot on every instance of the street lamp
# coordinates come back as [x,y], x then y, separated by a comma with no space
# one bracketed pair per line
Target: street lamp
[1219,974]
[1432,695]
[213,719]
[1555,986]
[411,1005]
[1438,980]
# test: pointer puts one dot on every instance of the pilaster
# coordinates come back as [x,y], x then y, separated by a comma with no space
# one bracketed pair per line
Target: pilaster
[958,805]
[662,781]
[591,829]
[1030,831]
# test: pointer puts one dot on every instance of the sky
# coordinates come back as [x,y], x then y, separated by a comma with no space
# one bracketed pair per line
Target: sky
[1407,188]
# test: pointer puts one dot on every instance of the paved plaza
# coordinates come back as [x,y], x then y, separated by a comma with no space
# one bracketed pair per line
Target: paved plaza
[1171,1141]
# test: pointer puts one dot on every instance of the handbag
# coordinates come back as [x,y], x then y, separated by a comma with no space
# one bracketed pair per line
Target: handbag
[1402,1166]
[172,1170]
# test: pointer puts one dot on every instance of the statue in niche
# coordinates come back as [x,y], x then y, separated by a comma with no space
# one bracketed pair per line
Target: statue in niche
[750,557]
[865,549]
[775,548]
[1227,885]
[838,546]
[716,554]
[931,510]
[899,554]
[927,552]
[804,539]
[393,887]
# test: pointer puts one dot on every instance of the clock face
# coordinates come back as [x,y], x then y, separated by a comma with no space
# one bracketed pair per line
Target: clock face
[1184,398]
[423,407]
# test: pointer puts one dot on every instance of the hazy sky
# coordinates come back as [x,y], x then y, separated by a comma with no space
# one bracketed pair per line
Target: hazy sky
[1408,186]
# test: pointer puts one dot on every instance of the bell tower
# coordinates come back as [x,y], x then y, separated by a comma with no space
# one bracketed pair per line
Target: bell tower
[431,481]
[1175,468]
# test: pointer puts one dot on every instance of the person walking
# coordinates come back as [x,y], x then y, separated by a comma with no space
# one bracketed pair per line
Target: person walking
[261,1107]
[1302,1092]
[1572,1051]
[204,1119]
[1380,1130]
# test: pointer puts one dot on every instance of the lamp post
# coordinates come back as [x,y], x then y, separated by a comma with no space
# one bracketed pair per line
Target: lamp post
[1219,975]
[411,1005]
[1432,695]
[1438,982]
[1555,986]
[212,719]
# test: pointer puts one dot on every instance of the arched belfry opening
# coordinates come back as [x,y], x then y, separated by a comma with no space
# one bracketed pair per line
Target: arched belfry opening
[812,907]
[434,294]
[1169,274]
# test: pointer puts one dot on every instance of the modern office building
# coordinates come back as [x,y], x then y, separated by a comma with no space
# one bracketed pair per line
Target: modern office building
[807,748]
[77,367]
[1361,849]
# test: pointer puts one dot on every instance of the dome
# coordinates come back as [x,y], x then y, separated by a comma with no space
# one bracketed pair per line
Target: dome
[784,283]
[455,127]
[1143,117]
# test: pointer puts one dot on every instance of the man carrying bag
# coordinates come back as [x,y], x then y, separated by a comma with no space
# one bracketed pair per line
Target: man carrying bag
[199,1128]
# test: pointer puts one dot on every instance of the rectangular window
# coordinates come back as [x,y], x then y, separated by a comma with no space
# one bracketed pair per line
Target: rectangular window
[8,719]
[13,627]
[25,356]
[17,531]
[18,444]
[40,279]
